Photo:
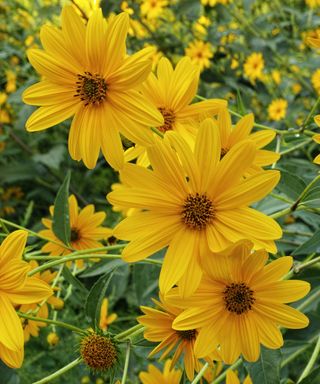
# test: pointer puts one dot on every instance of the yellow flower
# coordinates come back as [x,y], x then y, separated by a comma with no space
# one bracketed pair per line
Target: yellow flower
[232,378]
[315,80]
[87,74]
[231,135]
[158,323]
[276,76]
[85,8]
[31,327]
[312,3]
[16,288]
[3,98]
[296,88]
[240,304]
[200,53]
[234,63]
[52,339]
[277,109]
[253,66]
[4,116]
[86,230]
[125,8]
[106,320]
[316,138]
[155,376]
[191,200]
[11,81]
[152,9]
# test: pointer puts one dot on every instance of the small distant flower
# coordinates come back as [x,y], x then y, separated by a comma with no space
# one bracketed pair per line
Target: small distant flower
[200,53]
[86,230]
[155,376]
[296,88]
[152,9]
[254,66]
[232,378]
[315,80]
[277,109]
[52,339]
[11,81]
[276,76]
[106,320]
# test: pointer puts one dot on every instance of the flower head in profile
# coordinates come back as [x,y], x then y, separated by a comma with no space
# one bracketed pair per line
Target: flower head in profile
[231,135]
[88,75]
[105,318]
[86,230]
[16,288]
[155,376]
[277,110]
[191,201]
[232,378]
[240,303]
[200,53]
[158,322]
[253,66]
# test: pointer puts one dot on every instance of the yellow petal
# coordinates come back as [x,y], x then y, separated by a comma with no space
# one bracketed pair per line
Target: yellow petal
[283,291]
[242,129]
[33,291]
[13,359]
[12,247]
[47,93]
[11,334]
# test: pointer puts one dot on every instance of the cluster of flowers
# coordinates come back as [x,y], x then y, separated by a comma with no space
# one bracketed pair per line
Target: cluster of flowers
[188,191]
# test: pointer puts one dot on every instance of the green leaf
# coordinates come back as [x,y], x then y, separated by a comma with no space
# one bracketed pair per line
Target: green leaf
[312,378]
[102,267]
[61,219]
[310,246]
[95,297]
[8,375]
[291,184]
[267,369]
[73,280]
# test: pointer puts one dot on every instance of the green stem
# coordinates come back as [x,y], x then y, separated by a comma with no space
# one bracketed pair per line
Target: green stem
[309,301]
[60,372]
[300,145]
[308,118]
[307,264]
[221,377]
[157,132]
[55,322]
[311,362]
[298,352]
[307,189]
[126,363]
[33,233]
[200,374]
[283,212]
[125,334]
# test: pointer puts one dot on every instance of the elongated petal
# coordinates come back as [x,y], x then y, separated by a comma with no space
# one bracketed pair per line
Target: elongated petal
[250,345]
[11,334]
[95,38]
[269,333]
[242,129]
[12,247]
[47,93]
[202,109]
[273,271]
[13,359]
[193,318]
[262,138]
[33,291]
[191,278]
[283,291]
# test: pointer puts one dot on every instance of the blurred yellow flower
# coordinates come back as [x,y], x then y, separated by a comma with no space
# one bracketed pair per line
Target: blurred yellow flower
[254,66]
[315,80]
[155,376]
[11,81]
[152,9]
[296,88]
[106,319]
[277,109]
[3,97]
[276,76]
[232,378]
[200,53]
[52,339]
[312,3]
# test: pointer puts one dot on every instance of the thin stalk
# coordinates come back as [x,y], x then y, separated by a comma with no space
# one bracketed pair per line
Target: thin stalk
[60,372]
[308,118]
[55,322]
[125,334]
[223,375]
[311,362]
[157,132]
[300,145]
[281,213]
[200,374]
[126,364]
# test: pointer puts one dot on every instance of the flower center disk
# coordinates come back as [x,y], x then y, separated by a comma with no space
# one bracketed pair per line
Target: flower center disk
[91,88]
[75,234]
[238,298]
[198,211]
[187,335]
[169,119]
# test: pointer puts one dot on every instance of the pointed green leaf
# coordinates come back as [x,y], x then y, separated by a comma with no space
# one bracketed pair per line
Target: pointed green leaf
[267,369]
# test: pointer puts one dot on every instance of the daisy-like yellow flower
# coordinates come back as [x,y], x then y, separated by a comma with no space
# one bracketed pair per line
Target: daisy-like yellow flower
[312,3]
[240,304]
[158,322]
[86,230]
[253,66]
[87,74]
[316,138]
[105,319]
[277,109]
[155,376]
[315,80]
[32,327]
[152,9]
[191,200]
[232,378]
[16,288]
[200,53]
[172,92]
[231,135]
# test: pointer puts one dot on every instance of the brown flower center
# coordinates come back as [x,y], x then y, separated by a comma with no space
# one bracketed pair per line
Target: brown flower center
[238,298]
[169,119]
[99,352]
[91,88]
[198,211]
[75,234]
[187,335]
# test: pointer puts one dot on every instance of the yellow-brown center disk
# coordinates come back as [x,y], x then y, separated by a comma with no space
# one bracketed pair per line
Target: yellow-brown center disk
[99,352]
[187,335]
[198,211]
[238,298]
[91,88]
[75,234]
[169,119]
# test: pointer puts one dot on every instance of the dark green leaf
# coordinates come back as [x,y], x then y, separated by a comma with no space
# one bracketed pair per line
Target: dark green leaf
[310,246]
[73,280]
[102,267]
[312,378]
[267,369]
[291,185]
[95,297]
[61,220]
[8,375]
